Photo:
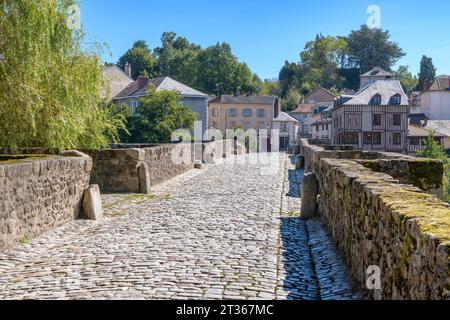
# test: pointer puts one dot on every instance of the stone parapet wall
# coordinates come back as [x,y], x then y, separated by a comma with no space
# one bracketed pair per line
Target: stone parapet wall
[379,218]
[136,169]
[378,222]
[426,174]
[40,193]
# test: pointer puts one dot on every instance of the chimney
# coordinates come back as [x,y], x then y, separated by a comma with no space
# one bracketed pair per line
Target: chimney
[128,69]
[426,85]
[142,81]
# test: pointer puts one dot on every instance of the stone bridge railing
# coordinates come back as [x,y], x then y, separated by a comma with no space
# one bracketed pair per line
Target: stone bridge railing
[136,168]
[383,210]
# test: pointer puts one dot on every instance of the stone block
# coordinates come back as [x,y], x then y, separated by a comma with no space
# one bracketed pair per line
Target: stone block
[309,193]
[92,203]
[144,178]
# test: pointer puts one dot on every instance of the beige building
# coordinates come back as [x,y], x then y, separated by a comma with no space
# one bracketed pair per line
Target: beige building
[115,81]
[313,104]
[246,112]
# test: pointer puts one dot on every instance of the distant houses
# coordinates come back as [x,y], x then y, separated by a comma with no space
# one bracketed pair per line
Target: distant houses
[375,75]
[123,89]
[312,105]
[375,118]
[287,127]
[243,111]
[435,100]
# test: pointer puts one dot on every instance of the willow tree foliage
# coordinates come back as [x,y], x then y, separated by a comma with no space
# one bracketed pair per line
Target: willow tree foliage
[49,86]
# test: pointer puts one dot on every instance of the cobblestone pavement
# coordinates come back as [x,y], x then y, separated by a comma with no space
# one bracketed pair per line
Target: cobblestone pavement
[207,234]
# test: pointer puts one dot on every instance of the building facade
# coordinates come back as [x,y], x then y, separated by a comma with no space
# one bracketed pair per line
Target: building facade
[115,81]
[288,130]
[321,129]
[243,111]
[312,105]
[375,75]
[435,102]
[375,118]
[417,136]
[195,100]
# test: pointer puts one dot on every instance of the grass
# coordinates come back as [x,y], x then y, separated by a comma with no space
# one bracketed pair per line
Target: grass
[12,159]
[138,196]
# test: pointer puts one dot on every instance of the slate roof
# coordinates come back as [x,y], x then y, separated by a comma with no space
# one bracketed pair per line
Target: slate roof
[386,88]
[284,117]
[163,83]
[244,99]
[442,83]
[378,72]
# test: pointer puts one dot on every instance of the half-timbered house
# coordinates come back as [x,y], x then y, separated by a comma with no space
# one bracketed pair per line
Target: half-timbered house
[375,118]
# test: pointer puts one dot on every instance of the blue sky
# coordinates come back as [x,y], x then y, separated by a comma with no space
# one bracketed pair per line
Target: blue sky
[265,33]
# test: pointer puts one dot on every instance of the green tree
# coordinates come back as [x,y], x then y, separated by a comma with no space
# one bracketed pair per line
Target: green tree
[219,68]
[368,48]
[158,116]
[291,101]
[270,88]
[49,86]
[320,60]
[427,72]
[141,59]
[177,58]
[432,149]
[408,81]
[290,77]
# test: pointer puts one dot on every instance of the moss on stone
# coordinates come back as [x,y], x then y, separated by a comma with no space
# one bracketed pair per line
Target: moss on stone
[373,165]
[426,172]
[433,215]
[14,159]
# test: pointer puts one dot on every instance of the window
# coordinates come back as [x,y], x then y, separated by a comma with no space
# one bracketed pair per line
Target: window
[351,138]
[233,112]
[377,119]
[134,104]
[396,139]
[214,125]
[396,99]
[327,127]
[261,113]
[397,121]
[376,100]
[414,141]
[247,113]
[376,138]
[367,138]
[215,113]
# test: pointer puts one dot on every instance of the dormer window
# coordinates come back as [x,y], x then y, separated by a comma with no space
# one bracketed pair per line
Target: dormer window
[396,99]
[376,100]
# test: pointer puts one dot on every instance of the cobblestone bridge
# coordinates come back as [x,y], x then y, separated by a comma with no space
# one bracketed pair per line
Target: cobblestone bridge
[224,232]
